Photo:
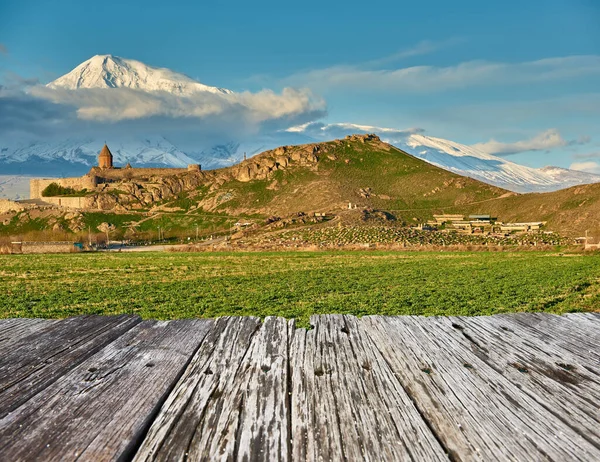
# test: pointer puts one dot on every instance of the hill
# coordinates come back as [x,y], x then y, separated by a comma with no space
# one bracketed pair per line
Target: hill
[360,170]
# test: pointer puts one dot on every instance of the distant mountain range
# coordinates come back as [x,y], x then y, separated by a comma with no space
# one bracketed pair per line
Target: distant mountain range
[468,161]
[75,155]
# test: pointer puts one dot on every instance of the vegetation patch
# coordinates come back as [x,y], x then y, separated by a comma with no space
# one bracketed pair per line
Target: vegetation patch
[296,284]
[54,189]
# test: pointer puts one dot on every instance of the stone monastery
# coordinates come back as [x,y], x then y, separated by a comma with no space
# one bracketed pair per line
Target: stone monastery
[98,177]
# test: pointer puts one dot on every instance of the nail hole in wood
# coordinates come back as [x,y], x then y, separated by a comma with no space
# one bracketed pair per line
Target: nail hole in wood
[319,372]
[149,364]
[92,369]
[522,369]
[345,330]
[427,370]
[457,326]
[468,366]
[208,372]
[566,367]
[265,368]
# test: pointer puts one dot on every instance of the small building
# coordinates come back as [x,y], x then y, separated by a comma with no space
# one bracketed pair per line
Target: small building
[447,218]
[522,227]
[463,225]
[481,218]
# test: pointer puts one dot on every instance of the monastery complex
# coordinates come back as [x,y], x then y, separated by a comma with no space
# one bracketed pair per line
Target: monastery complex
[103,174]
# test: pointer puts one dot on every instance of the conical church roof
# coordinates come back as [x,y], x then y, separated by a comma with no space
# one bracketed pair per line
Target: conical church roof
[105,152]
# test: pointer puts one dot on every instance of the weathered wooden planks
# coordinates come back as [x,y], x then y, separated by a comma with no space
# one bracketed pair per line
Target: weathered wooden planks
[577,334]
[507,387]
[49,350]
[551,377]
[346,401]
[13,330]
[232,400]
[101,409]
[475,410]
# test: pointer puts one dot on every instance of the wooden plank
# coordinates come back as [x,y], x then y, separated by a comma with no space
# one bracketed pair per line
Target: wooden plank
[346,402]
[475,411]
[36,360]
[101,409]
[231,403]
[12,330]
[578,338]
[550,376]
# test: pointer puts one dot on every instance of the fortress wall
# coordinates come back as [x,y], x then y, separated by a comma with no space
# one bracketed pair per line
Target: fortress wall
[48,247]
[132,173]
[83,182]
[7,205]
[67,202]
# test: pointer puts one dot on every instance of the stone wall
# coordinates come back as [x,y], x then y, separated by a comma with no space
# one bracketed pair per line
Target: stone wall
[37,185]
[48,247]
[118,174]
[67,202]
[10,206]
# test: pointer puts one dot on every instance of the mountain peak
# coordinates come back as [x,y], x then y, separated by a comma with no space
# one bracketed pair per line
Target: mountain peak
[109,71]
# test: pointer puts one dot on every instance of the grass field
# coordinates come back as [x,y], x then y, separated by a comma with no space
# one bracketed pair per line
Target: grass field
[297,284]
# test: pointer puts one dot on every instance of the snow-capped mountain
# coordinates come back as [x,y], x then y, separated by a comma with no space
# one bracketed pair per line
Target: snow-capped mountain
[74,155]
[565,175]
[107,71]
[83,153]
[468,161]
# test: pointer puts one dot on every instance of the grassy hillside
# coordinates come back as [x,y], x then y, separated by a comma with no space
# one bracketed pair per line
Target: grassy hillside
[356,170]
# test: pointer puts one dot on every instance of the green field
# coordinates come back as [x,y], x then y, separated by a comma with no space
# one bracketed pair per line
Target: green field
[297,284]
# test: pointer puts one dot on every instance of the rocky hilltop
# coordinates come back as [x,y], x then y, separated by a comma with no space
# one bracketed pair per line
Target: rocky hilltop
[359,169]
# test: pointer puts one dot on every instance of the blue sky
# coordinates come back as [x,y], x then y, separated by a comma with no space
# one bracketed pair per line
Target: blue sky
[508,75]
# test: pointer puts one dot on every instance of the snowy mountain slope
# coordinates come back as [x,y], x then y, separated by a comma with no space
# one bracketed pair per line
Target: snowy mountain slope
[83,153]
[571,176]
[107,71]
[467,161]
[75,155]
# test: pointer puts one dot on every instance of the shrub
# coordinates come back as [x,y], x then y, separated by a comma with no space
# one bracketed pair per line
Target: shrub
[54,189]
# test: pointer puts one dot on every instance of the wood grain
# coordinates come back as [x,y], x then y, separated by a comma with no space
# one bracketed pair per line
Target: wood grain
[473,408]
[13,330]
[346,402]
[49,350]
[101,409]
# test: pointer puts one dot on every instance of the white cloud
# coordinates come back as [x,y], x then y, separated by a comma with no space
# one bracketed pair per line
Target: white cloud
[422,48]
[546,140]
[589,155]
[116,104]
[590,167]
[433,78]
